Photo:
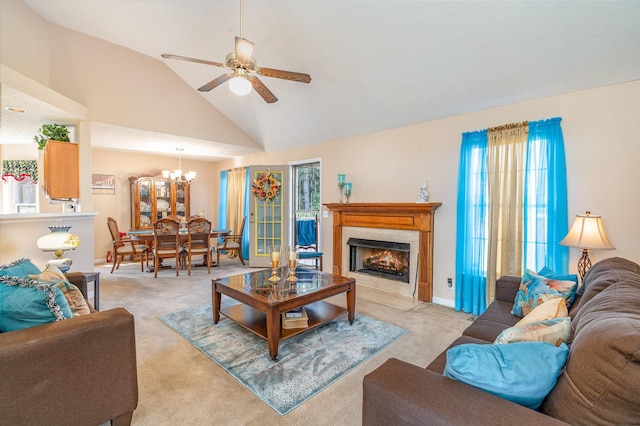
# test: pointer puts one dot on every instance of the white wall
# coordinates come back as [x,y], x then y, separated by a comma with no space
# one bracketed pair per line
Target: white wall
[602,144]
[20,233]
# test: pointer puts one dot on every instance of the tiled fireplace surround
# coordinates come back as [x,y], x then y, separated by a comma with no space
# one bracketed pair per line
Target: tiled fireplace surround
[410,223]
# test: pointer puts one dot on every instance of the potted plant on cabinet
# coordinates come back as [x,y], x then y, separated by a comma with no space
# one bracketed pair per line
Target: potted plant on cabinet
[51,132]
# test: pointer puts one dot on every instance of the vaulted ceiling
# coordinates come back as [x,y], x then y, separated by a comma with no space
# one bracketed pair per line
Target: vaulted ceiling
[374,64]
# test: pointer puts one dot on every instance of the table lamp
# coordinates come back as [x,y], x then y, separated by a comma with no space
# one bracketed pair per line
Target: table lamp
[58,243]
[587,233]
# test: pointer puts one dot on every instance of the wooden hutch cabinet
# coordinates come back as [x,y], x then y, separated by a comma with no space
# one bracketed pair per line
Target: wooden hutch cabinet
[61,166]
[153,197]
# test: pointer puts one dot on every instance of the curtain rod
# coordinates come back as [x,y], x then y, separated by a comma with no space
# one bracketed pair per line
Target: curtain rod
[508,126]
[237,168]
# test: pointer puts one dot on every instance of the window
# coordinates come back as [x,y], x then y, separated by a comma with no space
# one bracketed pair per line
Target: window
[20,187]
[306,189]
[512,207]
[306,202]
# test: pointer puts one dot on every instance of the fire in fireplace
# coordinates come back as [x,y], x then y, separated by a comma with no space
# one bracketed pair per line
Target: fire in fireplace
[383,259]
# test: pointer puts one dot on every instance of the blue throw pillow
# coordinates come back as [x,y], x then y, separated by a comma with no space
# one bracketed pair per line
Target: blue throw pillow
[536,289]
[547,272]
[19,268]
[27,303]
[522,372]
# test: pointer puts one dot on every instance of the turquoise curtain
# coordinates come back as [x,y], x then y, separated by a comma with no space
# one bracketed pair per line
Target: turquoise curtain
[223,204]
[545,198]
[246,210]
[545,210]
[471,224]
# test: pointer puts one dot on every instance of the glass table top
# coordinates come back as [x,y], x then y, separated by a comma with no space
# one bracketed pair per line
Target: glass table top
[257,283]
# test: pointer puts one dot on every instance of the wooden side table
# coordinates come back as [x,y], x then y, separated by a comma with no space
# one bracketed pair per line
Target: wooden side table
[95,278]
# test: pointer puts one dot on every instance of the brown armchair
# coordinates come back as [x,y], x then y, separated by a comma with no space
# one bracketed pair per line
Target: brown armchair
[124,246]
[232,243]
[79,371]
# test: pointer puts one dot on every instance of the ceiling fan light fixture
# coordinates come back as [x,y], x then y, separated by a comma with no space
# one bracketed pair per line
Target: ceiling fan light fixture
[240,85]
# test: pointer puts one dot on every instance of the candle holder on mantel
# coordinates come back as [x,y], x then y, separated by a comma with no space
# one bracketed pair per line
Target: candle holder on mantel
[292,257]
[347,190]
[340,184]
[274,252]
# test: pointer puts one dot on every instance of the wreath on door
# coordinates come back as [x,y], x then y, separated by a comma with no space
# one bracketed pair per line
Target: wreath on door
[266,187]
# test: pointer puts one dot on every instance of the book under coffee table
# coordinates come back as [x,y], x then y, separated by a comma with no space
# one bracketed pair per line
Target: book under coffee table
[262,302]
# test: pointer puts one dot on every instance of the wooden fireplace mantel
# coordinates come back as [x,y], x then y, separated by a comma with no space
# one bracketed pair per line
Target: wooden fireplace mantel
[405,216]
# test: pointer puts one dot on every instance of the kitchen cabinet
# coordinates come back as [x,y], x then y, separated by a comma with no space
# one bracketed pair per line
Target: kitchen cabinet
[61,170]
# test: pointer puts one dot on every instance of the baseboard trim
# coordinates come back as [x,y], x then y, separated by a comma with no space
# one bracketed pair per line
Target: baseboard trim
[444,302]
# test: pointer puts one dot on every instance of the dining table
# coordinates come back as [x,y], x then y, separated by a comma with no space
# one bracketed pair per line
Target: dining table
[146,236]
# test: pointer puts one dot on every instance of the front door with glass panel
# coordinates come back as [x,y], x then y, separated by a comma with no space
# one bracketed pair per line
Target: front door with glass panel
[268,211]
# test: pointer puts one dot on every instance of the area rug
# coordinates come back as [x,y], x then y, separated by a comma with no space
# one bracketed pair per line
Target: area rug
[307,362]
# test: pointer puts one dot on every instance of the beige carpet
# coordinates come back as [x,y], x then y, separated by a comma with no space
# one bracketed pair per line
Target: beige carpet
[180,385]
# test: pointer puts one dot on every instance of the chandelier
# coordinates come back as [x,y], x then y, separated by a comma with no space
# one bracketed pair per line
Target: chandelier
[176,175]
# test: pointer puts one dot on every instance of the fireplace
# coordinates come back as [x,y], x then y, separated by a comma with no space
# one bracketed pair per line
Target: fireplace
[383,259]
[403,222]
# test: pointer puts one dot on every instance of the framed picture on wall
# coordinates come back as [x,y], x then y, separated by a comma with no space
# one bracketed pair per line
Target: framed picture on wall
[103,184]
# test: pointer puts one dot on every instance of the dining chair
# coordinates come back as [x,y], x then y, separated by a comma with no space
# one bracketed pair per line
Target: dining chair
[199,241]
[124,246]
[166,243]
[306,238]
[232,243]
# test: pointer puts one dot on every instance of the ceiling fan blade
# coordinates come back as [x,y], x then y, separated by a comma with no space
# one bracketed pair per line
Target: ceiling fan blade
[244,50]
[215,83]
[287,75]
[184,58]
[262,90]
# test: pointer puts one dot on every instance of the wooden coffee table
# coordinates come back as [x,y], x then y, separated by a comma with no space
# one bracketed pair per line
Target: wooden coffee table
[262,303]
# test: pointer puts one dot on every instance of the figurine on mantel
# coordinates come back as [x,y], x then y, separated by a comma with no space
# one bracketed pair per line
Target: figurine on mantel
[423,195]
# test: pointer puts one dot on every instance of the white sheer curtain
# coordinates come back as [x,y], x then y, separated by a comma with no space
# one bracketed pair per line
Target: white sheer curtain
[506,172]
[237,188]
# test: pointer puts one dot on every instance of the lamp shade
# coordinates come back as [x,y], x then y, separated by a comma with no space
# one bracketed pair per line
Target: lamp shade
[240,85]
[59,239]
[587,232]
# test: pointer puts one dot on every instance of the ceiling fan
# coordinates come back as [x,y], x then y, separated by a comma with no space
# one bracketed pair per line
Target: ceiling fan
[242,64]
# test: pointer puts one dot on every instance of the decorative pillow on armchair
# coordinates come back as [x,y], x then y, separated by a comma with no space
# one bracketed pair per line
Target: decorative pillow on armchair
[54,276]
[523,372]
[19,268]
[27,303]
[536,289]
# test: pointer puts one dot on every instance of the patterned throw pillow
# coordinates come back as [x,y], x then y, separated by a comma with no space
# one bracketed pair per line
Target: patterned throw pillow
[549,273]
[19,268]
[536,289]
[52,275]
[554,331]
[553,308]
[27,303]
[523,372]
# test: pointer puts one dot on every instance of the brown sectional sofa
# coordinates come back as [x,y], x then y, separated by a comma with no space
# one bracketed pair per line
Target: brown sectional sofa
[79,371]
[600,383]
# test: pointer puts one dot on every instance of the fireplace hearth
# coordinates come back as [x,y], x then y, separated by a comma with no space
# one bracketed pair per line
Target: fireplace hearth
[384,259]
